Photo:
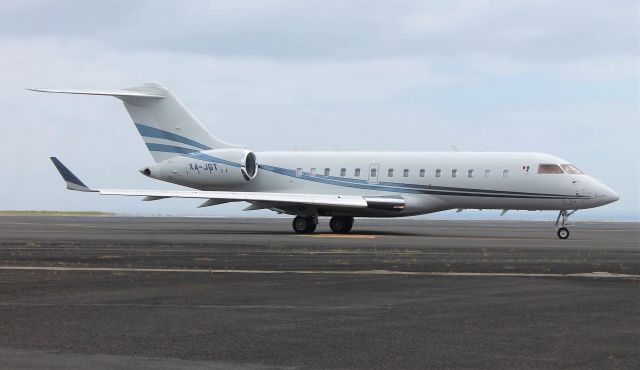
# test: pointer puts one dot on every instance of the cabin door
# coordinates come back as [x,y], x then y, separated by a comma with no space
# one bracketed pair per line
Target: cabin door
[374,172]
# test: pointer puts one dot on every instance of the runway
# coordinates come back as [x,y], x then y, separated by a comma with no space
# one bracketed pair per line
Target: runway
[102,292]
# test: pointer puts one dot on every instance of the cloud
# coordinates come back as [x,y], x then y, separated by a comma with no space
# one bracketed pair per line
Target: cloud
[605,68]
[320,30]
[539,31]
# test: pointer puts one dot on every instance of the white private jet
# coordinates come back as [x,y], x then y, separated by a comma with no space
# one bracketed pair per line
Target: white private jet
[341,185]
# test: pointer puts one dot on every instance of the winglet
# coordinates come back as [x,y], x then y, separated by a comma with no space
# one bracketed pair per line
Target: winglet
[73,182]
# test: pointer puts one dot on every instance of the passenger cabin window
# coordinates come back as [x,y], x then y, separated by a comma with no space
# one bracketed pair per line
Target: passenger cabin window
[438,172]
[422,172]
[470,174]
[356,173]
[505,174]
[343,172]
[374,172]
[571,169]
[405,173]
[454,173]
[312,172]
[487,174]
[547,168]
[390,172]
[327,171]
[299,172]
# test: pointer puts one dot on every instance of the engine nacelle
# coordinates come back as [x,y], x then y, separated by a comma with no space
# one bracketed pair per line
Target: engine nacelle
[217,167]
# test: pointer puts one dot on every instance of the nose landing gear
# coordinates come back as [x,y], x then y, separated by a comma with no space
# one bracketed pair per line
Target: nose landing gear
[563,232]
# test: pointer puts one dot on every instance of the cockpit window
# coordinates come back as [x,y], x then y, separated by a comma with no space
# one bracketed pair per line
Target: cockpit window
[544,168]
[569,168]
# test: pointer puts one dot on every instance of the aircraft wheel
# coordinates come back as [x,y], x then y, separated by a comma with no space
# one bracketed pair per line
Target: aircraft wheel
[349,224]
[563,233]
[341,225]
[311,226]
[303,225]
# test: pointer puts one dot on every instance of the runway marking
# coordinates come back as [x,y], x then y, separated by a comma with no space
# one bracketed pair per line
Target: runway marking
[597,274]
[345,236]
[361,236]
[142,305]
[223,252]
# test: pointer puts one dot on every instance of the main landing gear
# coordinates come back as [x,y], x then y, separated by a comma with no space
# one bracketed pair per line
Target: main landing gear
[563,232]
[304,225]
[341,225]
[307,225]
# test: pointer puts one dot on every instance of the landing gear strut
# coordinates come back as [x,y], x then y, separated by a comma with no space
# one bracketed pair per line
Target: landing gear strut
[563,232]
[304,225]
[341,225]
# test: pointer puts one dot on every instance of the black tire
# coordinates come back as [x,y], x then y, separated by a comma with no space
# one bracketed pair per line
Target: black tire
[563,233]
[300,224]
[311,226]
[341,225]
[349,221]
[303,225]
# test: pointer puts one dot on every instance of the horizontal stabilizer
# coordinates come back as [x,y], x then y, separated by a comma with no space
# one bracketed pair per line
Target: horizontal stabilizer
[120,94]
[73,182]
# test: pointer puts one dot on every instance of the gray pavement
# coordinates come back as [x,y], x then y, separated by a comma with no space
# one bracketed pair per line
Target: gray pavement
[170,293]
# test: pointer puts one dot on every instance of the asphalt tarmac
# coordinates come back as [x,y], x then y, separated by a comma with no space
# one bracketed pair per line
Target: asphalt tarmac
[117,292]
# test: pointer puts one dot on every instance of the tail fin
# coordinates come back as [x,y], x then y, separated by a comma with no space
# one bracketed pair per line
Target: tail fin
[166,126]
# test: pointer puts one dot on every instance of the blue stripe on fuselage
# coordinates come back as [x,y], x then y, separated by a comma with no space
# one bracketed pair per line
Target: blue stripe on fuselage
[205,157]
[411,188]
[169,148]
[148,131]
[363,184]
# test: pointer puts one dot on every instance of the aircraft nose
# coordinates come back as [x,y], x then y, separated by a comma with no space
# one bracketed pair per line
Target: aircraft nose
[611,196]
[608,195]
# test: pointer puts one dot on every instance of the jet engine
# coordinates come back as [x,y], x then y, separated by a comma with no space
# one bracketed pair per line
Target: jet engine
[210,168]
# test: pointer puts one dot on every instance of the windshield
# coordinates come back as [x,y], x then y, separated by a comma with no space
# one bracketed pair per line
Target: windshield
[549,168]
[569,168]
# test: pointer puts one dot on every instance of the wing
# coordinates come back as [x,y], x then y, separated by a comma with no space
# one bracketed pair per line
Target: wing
[233,196]
[258,199]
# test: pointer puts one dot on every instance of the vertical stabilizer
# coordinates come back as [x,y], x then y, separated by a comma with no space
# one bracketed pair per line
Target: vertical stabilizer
[166,126]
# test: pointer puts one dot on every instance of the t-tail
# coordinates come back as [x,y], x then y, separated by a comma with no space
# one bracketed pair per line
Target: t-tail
[166,126]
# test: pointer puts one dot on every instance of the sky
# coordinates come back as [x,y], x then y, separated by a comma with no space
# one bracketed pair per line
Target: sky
[543,76]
